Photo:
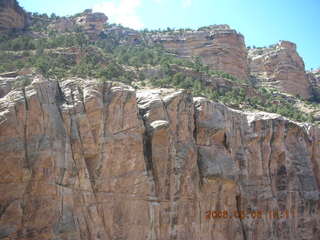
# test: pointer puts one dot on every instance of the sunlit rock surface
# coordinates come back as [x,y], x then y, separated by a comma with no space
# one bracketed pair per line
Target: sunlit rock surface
[88,160]
[281,67]
[218,46]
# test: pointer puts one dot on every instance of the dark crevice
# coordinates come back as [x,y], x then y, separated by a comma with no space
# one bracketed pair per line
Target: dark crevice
[195,133]
[225,142]
[82,99]
[25,144]
[238,205]
[270,159]
[151,171]
[25,98]
[60,98]
[147,141]
[147,151]
[25,130]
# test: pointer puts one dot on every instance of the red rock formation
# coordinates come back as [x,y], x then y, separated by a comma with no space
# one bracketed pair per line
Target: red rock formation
[218,46]
[12,16]
[94,161]
[92,23]
[281,67]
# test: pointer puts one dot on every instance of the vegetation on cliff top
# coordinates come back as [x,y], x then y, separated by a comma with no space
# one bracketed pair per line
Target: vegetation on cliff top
[140,64]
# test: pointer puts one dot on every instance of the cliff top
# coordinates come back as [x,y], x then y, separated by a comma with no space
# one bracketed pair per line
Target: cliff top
[215,27]
[211,61]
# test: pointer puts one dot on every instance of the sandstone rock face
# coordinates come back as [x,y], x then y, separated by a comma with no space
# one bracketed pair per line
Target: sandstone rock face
[12,16]
[75,168]
[83,160]
[93,23]
[218,46]
[260,162]
[281,67]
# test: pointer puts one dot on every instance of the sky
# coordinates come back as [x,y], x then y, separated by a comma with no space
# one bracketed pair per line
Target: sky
[262,22]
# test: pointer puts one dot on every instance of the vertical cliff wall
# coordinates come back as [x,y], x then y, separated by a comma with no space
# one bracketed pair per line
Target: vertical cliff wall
[99,161]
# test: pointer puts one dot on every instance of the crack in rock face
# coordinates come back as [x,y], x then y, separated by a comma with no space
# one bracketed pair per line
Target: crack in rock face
[108,162]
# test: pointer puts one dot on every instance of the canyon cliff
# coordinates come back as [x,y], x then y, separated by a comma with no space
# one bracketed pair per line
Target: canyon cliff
[87,160]
[218,46]
[82,157]
[12,16]
[223,49]
[281,67]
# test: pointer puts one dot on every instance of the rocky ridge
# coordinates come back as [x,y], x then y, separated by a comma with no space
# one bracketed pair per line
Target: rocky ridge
[223,49]
[218,46]
[88,160]
[281,67]
[92,23]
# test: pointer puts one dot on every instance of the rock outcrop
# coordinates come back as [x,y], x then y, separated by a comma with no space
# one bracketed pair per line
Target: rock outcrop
[61,25]
[12,16]
[124,35]
[93,23]
[281,67]
[82,160]
[314,77]
[217,46]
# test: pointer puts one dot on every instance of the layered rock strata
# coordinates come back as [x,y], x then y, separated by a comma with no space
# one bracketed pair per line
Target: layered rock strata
[217,46]
[281,67]
[82,160]
[93,23]
[12,16]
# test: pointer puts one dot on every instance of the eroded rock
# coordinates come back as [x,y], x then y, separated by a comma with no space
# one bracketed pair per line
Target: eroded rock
[217,46]
[93,23]
[281,67]
[88,160]
[12,16]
